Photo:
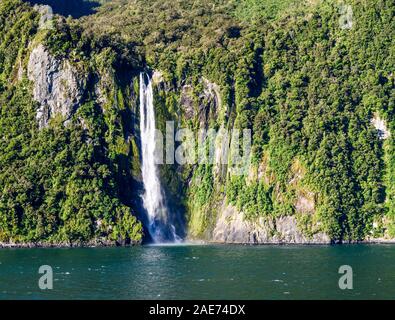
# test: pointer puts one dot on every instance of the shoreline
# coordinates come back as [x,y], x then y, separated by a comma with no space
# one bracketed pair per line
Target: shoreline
[91,244]
[31,245]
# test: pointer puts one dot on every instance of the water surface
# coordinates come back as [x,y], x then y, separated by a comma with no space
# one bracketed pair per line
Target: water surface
[200,272]
[74,8]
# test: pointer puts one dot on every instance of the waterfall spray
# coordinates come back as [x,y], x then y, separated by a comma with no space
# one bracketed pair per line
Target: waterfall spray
[160,228]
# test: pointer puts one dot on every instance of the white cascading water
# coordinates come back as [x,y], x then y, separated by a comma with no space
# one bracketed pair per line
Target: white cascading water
[160,228]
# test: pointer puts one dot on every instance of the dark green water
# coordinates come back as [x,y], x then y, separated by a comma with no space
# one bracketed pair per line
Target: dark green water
[200,272]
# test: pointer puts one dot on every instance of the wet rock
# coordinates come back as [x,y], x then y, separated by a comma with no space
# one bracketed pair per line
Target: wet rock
[187,101]
[212,93]
[209,102]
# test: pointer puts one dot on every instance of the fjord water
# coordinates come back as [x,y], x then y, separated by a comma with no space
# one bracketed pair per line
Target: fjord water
[200,272]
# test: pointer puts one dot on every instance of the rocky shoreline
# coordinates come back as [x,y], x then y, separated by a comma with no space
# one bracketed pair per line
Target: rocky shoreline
[91,244]
[102,244]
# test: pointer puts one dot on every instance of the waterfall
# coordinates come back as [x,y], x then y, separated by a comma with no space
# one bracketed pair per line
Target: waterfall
[160,227]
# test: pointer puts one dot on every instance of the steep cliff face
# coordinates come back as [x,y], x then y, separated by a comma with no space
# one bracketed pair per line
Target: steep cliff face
[211,214]
[68,171]
[215,214]
[57,86]
[319,107]
[320,166]
[232,227]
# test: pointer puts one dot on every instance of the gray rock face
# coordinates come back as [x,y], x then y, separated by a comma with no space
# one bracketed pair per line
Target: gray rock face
[232,228]
[57,87]
[305,204]
[208,102]
[381,127]
[46,16]
[212,93]
[20,72]
[157,77]
[187,101]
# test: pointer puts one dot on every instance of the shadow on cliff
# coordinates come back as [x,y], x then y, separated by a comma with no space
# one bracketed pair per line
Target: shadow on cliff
[74,8]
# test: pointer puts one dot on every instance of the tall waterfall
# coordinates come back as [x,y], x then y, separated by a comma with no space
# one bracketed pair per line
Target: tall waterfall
[160,227]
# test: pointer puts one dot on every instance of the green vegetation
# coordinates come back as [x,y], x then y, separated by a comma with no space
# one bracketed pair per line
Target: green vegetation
[306,87]
[254,199]
[255,11]
[63,183]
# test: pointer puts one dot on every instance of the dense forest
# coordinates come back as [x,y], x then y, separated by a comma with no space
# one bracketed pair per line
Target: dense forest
[309,79]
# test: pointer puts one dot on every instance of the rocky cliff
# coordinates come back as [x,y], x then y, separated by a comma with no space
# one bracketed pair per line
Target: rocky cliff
[57,87]
[318,104]
[217,219]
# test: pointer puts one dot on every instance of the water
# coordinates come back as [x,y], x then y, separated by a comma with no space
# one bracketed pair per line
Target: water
[200,272]
[160,228]
[74,8]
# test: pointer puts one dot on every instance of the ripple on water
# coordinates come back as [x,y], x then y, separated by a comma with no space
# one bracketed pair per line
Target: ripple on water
[174,268]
